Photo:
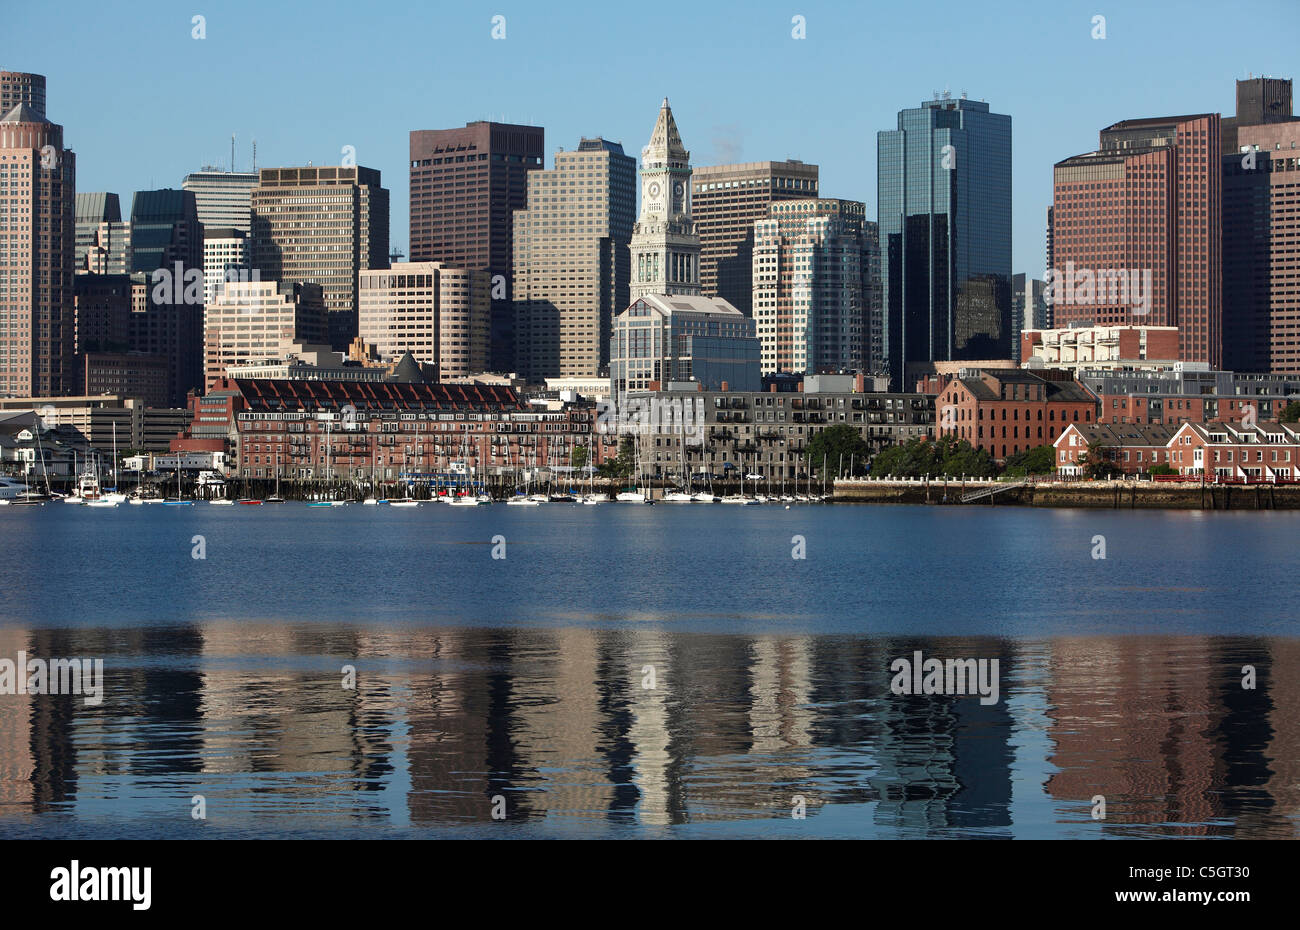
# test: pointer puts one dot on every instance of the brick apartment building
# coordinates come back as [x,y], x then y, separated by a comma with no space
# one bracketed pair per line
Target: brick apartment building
[339,430]
[1267,451]
[1005,411]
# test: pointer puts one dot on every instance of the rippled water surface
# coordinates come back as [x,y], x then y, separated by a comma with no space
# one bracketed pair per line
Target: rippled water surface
[638,671]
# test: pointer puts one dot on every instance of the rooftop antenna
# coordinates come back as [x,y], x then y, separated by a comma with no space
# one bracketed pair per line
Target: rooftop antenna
[254,156]
[232,153]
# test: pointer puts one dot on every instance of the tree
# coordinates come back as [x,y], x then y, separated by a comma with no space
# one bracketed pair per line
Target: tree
[1161,469]
[1099,461]
[1291,412]
[579,457]
[835,444]
[624,464]
[918,458]
[1040,460]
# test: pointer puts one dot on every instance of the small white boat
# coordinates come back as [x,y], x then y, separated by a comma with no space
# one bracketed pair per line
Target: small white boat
[463,501]
[631,497]
[678,497]
[594,499]
[737,499]
[370,501]
[522,502]
[704,497]
[404,502]
[219,501]
[101,503]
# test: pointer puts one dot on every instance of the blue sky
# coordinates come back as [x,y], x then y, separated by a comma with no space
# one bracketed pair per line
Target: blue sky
[143,103]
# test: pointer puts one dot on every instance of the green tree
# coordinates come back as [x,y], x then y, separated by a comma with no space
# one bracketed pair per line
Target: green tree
[1291,412]
[579,457]
[1161,469]
[1099,461]
[623,464]
[836,444]
[1040,460]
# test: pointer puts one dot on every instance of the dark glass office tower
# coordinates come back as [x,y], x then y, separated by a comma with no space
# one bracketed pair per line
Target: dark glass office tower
[944,180]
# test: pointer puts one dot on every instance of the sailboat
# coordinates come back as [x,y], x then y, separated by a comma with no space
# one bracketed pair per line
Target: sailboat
[112,495]
[405,500]
[635,495]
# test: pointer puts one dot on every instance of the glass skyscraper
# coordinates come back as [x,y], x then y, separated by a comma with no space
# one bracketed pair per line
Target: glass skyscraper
[944,181]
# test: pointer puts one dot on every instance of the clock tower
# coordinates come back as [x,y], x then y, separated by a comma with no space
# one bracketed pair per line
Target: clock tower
[665,247]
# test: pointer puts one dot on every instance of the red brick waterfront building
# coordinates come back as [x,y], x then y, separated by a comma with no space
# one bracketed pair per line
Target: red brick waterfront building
[1267,451]
[1007,410]
[337,430]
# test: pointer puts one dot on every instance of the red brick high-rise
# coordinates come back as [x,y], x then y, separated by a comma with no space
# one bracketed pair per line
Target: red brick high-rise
[465,186]
[1141,219]
[38,195]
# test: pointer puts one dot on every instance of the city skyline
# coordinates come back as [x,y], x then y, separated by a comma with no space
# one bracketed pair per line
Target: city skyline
[533,77]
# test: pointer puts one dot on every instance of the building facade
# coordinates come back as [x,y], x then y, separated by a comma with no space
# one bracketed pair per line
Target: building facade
[1094,347]
[944,183]
[1261,258]
[661,339]
[1260,101]
[726,202]
[260,320]
[224,198]
[319,430]
[225,258]
[1008,411]
[1138,227]
[1264,452]
[440,314]
[466,185]
[321,225]
[730,433]
[37,244]
[812,298]
[572,266]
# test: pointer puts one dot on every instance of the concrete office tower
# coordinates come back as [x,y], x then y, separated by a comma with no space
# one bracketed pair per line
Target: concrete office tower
[37,245]
[1028,308]
[322,226]
[225,258]
[812,287]
[572,265]
[441,314]
[466,185]
[20,87]
[1260,101]
[224,198]
[945,234]
[1261,258]
[726,202]
[665,247]
[255,321]
[1137,232]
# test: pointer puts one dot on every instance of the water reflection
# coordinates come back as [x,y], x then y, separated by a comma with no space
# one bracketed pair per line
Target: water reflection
[649,731]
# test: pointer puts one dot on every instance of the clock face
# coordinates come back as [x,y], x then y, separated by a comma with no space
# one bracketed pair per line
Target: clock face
[679,189]
[653,189]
